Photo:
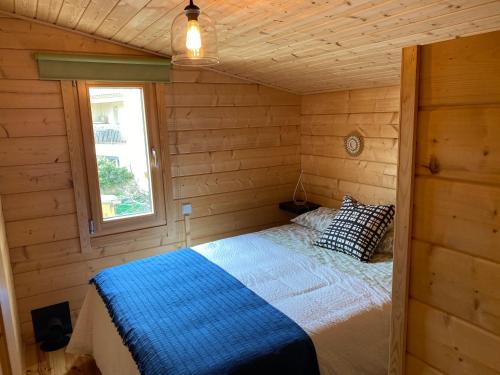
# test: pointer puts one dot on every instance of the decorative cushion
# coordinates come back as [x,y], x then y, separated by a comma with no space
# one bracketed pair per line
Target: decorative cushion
[318,219]
[357,229]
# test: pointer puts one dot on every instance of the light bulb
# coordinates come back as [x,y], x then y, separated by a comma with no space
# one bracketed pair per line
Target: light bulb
[193,38]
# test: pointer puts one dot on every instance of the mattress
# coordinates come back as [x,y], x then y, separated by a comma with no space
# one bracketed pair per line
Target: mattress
[341,303]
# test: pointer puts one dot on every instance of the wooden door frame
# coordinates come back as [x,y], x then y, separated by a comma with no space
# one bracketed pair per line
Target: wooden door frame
[8,310]
[404,207]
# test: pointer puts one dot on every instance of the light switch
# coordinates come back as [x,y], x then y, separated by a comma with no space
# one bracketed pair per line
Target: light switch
[187,209]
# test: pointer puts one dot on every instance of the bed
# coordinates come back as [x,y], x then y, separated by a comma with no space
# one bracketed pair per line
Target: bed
[343,305]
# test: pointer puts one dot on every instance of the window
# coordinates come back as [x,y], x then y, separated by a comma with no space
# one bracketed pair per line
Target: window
[122,156]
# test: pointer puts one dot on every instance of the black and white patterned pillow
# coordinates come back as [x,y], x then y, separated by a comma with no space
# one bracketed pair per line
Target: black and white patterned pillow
[357,229]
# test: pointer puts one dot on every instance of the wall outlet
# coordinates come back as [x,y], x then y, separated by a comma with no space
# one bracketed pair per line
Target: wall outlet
[187,209]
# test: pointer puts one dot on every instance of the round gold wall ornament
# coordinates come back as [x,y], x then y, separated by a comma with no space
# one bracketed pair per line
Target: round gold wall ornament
[353,143]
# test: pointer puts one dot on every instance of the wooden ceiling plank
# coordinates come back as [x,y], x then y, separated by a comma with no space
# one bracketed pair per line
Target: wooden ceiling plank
[410,12]
[25,7]
[71,12]
[48,10]
[7,5]
[95,14]
[299,46]
[291,19]
[432,27]
[161,28]
[121,14]
[334,24]
[329,40]
[240,16]
[153,11]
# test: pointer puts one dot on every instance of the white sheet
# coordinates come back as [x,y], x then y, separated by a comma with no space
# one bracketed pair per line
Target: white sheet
[346,317]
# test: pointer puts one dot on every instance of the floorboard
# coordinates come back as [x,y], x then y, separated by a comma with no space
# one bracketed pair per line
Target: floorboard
[58,363]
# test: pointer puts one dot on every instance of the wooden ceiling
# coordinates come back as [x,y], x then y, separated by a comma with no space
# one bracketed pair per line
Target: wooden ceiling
[301,46]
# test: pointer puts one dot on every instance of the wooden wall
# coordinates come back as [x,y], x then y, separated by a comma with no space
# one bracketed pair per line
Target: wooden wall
[234,150]
[11,357]
[454,301]
[329,172]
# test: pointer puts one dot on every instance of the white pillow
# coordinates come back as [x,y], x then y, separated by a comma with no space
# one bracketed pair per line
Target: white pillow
[319,219]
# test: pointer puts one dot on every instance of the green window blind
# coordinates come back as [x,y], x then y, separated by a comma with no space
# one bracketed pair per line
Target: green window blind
[103,68]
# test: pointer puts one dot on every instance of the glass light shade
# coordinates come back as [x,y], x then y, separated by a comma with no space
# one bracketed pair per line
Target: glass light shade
[194,41]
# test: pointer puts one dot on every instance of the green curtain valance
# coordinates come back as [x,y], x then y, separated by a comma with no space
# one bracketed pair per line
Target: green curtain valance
[53,66]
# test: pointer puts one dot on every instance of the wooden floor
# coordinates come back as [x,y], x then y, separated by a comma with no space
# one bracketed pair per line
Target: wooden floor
[58,363]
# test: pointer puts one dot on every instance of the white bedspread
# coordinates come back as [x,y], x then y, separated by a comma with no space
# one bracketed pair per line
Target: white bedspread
[346,317]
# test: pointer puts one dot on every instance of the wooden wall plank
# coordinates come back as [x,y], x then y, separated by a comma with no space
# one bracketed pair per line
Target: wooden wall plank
[452,345]
[38,282]
[33,150]
[458,283]
[47,229]
[204,118]
[20,179]
[187,142]
[371,125]
[37,37]
[365,172]
[212,95]
[460,143]
[24,122]
[33,205]
[225,161]
[57,253]
[415,366]
[193,75]
[18,64]
[330,172]
[456,74]
[26,94]
[233,221]
[215,183]
[375,149]
[454,313]
[235,201]
[458,215]
[74,296]
[336,189]
[385,99]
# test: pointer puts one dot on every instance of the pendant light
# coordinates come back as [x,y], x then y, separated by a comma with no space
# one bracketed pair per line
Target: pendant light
[193,38]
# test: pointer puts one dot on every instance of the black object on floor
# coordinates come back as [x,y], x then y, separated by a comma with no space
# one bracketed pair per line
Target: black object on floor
[52,324]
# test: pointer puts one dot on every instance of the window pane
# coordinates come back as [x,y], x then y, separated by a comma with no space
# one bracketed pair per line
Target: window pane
[121,146]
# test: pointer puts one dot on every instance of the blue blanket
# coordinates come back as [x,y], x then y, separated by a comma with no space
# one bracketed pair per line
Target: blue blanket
[179,313]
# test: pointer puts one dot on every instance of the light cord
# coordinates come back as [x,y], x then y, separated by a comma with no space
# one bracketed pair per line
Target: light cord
[299,182]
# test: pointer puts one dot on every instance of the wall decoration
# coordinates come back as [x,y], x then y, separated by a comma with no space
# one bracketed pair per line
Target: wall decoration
[354,143]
